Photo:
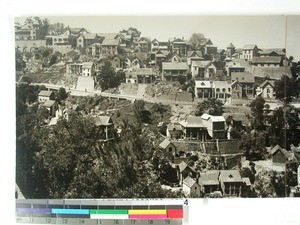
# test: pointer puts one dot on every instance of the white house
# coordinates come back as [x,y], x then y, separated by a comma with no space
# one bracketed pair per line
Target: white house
[266,89]
[190,187]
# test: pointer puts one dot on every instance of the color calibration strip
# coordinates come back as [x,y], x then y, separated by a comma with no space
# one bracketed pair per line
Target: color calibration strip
[98,212]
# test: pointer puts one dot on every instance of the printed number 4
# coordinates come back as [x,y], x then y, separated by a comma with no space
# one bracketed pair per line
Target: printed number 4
[133,221]
[186,202]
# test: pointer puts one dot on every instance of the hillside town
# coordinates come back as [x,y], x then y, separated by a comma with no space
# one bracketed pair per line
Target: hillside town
[102,115]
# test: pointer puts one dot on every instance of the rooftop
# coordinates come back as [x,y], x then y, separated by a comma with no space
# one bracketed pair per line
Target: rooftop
[175,66]
[210,177]
[230,176]
[271,59]
[103,121]
[108,42]
[249,47]
[48,103]
[164,144]
[206,116]
[242,77]
[188,181]
[192,122]
[45,93]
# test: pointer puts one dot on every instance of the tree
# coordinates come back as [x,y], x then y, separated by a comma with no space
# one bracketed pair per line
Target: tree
[253,145]
[142,115]
[61,95]
[212,106]
[131,31]
[286,89]
[196,40]
[106,75]
[257,110]
[20,63]
[56,28]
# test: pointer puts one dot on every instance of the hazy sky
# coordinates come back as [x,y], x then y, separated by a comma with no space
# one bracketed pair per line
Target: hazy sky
[265,31]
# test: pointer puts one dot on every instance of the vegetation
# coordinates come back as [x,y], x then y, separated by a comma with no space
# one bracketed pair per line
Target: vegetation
[210,106]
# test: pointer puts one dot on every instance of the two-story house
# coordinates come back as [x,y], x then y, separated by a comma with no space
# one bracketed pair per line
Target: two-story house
[140,76]
[44,96]
[246,79]
[203,89]
[266,89]
[144,44]
[221,90]
[110,46]
[193,128]
[87,69]
[215,126]
[191,187]
[249,52]
[194,56]
[203,69]
[26,32]
[159,45]
[184,171]
[230,50]
[106,126]
[271,61]
[209,182]
[231,183]
[179,46]
[85,40]
[171,71]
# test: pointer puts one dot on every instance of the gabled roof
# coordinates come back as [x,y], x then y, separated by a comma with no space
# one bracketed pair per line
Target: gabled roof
[271,59]
[276,51]
[87,65]
[194,54]
[175,66]
[48,103]
[230,46]
[173,126]
[249,47]
[192,122]
[182,166]
[266,82]
[164,144]
[108,35]
[45,93]
[144,40]
[103,121]
[230,176]
[242,77]
[203,84]
[90,36]
[201,64]
[179,40]
[236,82]
[142,71]
[210,177]
[246,180]
[188,181]
[206,116]
[109,42]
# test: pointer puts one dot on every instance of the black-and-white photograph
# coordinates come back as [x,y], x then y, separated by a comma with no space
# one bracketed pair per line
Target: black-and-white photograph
[157,107]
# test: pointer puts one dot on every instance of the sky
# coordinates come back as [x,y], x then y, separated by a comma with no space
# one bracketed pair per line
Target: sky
[264,31]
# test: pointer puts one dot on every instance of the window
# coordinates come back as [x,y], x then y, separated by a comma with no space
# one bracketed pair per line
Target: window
[228,89]
[223,90]
[218,90]
[268,91]
[80,40]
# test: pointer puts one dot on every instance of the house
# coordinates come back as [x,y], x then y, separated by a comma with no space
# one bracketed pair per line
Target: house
[51,105]
[144,44]
[221,90]
[117,62]
[280,155]
[271,61]
[184,171]
[272,52]
[179,46]
[87,69]
[61,39]
[215,126]
[84,40]
[246,79]
[174,131]
[203,89]
[110,46]
[159,45]
[230,50]
[194,56]
[74,68]
[209,182]
[203,69]
[158,57]
[193,128]
[236,90]
[169,149]
[231,183]
[140,76]
[171,71]
[233,67]
[266,89]
[44,96]
[249,52]
[191,187]
[95,49]
[106,127]
[26,32]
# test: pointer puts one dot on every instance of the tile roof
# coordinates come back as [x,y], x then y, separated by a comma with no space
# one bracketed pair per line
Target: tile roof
[242,77]
[175,66]
[192,122]
[103,121]
[201,64]
[203,84]
[182,166]
[271,82]
[210,177]
[164,144]
[108,42]
[206,116]
[230,176]
[87,65]
[48,103]
[249,47]
[271,59]
[188,181]
[45,93]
